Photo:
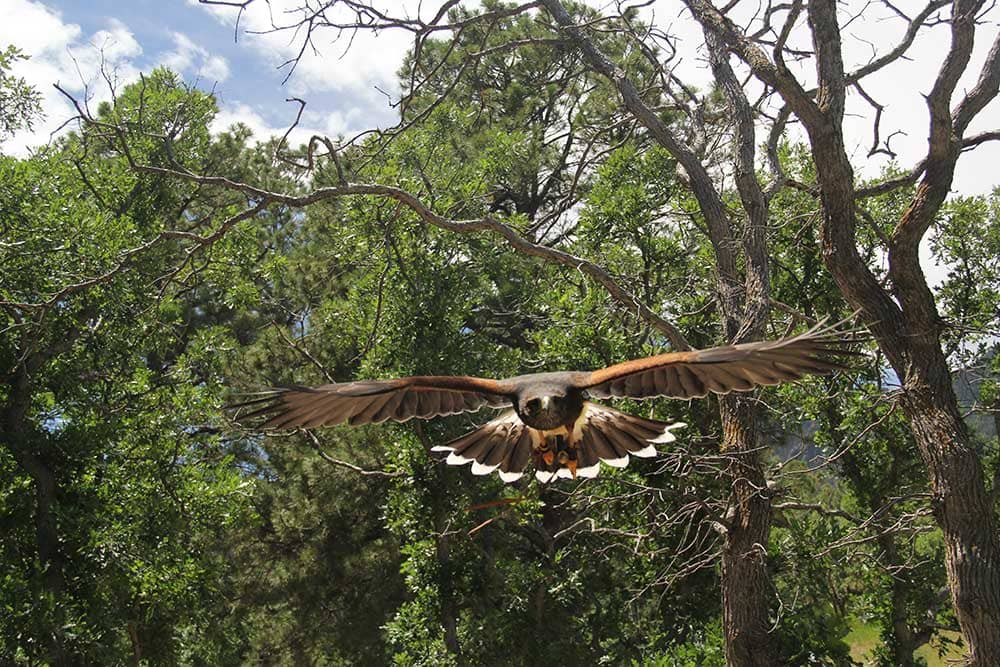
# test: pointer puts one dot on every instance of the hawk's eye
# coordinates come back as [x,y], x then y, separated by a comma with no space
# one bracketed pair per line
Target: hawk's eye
[532,405]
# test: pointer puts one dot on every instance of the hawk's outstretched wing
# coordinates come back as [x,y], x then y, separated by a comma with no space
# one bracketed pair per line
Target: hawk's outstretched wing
[742,367]
[374,401]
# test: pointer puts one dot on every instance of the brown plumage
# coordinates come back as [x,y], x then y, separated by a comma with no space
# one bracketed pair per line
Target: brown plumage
[551,423]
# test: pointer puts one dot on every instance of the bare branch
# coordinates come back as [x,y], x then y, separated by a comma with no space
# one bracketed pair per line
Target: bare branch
[315,443]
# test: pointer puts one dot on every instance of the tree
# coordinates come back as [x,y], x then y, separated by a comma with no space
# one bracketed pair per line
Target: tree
[117,486]
[20,104]
[903,316]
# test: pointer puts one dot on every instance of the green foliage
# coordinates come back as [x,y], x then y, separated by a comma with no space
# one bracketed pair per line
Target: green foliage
[120,395]
[20,103]
[966,239]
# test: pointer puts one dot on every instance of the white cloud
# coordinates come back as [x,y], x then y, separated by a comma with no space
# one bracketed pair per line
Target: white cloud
[85,65]
[341,123]
[117,43]
[230,114]
[356,62]
[215,68]
[34,28]
[190,58]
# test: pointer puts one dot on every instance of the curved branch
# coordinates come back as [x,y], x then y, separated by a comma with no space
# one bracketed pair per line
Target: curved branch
[411,201]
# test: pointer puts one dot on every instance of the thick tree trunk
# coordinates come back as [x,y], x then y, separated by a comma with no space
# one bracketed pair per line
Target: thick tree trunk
[14,433]
[963,509]
[746,583]
[906,322]
[909,338]
[962,506]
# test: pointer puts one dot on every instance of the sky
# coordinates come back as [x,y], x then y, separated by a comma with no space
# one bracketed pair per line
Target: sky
[349,90]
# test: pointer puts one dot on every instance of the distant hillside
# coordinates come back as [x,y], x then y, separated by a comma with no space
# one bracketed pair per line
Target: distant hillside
[800,445]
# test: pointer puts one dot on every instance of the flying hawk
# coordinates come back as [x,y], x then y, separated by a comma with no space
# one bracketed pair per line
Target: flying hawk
[551,423]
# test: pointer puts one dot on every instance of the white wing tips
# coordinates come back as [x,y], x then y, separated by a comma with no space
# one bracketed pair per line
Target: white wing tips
[612,437]
[509,477]
[667,436]
[647,452]
[619,462]
[496,446]
[480,469]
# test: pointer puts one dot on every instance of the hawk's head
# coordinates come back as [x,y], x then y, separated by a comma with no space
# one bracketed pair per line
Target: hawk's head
[550,407]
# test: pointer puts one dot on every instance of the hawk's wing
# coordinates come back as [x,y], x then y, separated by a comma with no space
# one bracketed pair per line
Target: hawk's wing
[373,401]
[504,444]
[611,436]
[742,367]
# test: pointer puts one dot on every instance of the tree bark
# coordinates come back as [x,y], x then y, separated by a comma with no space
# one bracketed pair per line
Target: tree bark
[963,509]
[746,582]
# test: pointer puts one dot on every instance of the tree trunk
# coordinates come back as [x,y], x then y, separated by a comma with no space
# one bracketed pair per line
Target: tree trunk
[904,642]
[14,432]
[962,508]
[907,325]
[746,582]
[961,504]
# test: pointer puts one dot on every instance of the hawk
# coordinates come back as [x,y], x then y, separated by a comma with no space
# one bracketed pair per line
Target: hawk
[551,423]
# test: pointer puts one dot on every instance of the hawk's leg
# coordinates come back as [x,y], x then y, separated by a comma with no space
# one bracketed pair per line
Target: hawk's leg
[545,453]
[567,454]
[556,451]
